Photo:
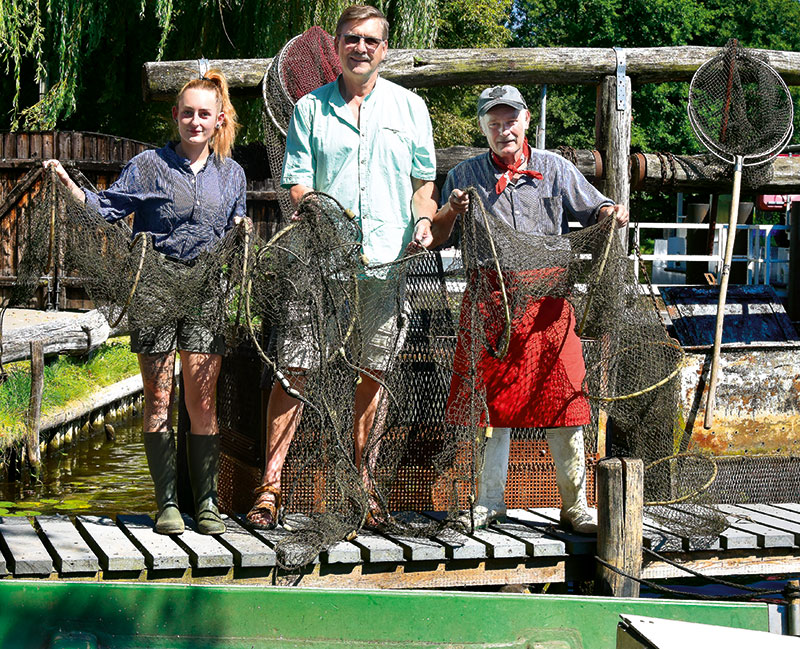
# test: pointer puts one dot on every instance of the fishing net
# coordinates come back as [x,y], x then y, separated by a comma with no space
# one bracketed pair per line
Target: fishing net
[327,308]
[305,63]
[740,107]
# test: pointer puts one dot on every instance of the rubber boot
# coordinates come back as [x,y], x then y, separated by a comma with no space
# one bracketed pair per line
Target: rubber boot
[490,501]
[161,459]
[566,447]
[203,452]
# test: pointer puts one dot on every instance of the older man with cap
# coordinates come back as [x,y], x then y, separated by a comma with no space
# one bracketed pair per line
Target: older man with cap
[534,192]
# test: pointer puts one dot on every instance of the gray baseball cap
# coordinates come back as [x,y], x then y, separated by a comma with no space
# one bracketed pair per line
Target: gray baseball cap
[506,95]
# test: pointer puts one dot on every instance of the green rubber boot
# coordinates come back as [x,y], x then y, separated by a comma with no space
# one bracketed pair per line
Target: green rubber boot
[161,459]
[203,453]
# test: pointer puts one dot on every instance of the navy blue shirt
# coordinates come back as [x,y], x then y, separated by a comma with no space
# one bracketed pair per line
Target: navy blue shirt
[186,213]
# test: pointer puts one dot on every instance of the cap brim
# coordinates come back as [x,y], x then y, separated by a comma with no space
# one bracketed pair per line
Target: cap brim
[500,102]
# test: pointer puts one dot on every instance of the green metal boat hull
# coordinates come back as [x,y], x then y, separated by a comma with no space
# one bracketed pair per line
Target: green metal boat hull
[85,615]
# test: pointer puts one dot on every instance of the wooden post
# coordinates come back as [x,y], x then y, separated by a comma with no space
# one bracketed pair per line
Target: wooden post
[35,405]
[619,530]
[613,135]
[794,263]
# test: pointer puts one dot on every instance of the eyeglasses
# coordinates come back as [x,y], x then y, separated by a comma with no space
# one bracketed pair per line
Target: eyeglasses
[370,42]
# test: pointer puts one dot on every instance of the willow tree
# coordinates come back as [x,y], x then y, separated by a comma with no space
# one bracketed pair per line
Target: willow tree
[77,63]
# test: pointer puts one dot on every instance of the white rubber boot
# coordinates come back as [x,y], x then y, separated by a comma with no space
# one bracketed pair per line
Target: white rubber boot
[566,447]
[490,501]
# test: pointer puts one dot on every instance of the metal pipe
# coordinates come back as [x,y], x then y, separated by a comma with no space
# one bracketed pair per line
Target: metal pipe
[541,130]
[792,593]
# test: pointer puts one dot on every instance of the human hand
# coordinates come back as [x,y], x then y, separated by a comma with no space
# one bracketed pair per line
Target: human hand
[618,212]
[245,222]
[459,201]
[422,236]
[65,179]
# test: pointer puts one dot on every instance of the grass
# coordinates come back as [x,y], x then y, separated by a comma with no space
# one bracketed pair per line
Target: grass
[66,379]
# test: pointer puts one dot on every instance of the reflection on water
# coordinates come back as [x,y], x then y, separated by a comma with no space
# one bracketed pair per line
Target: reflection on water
[95,476]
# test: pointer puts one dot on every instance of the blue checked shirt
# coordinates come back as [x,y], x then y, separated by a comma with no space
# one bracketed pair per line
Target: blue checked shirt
[530,205]
[185,213]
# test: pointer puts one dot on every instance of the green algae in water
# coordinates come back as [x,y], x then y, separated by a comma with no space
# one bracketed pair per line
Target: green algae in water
[25,512]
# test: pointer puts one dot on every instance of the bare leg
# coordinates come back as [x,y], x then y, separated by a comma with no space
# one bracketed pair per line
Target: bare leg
[283,418]
[368,397]
[200,374]
[159,388]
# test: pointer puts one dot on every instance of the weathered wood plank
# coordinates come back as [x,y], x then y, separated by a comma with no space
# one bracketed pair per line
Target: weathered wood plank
[248,551]
[458,546]
[499,545]
[204,551]
[339,552]
[532,534]
[275,536]
[766,515]
[34,418]
[417,548]
[112,547]
[26,554]
[428,68]
[19,189]
[574,543]
[62,333]
[377,549]
[161,552]
[71,554]
[768,537]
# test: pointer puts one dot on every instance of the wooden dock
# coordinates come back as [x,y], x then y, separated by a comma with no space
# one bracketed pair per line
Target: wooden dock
[529,548]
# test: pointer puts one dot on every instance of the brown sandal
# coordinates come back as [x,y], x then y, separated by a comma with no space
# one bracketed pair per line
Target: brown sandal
[263,515]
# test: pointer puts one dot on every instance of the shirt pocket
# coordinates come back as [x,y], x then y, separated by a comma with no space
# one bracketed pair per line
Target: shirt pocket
[396,147]
[552,214]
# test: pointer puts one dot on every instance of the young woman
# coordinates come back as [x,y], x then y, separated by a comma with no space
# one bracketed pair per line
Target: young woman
[186,195]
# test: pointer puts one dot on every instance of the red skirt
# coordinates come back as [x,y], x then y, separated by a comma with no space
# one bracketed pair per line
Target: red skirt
[538,382]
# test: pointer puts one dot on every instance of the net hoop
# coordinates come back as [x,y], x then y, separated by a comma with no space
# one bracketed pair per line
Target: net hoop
[692,494]
[643,391]
[145,240]
[277,61]
[748,159]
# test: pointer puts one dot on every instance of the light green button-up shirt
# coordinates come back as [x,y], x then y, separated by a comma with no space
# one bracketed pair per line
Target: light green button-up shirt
[367,169]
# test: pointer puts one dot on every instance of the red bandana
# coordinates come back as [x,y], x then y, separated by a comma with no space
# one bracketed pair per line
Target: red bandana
[512,169]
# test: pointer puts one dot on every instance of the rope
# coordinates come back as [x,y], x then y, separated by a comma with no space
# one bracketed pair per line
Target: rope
[751,594]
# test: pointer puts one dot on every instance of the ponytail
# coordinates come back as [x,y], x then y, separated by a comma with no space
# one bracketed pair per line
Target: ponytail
[214,80]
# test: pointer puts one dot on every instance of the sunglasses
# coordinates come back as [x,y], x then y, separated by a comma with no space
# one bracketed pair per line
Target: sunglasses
[370,42]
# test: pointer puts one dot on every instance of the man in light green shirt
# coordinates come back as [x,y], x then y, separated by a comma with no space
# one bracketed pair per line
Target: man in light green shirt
[368,143]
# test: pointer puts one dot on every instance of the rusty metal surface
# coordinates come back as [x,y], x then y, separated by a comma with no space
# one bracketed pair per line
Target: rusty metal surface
[758,401]
[753,316]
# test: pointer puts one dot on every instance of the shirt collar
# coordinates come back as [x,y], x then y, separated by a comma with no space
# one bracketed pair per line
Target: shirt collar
[179,161]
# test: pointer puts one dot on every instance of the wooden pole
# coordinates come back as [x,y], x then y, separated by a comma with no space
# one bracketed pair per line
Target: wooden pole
[35,405]
[794,263]
[486,66]
[620,488]
[708,420]
[613,135]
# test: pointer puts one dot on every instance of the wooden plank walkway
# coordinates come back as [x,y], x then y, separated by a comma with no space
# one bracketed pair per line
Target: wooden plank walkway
[528,547]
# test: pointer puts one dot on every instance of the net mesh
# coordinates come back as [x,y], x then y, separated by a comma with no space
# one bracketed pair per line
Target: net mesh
[310,282]
[439,317]
[739,107]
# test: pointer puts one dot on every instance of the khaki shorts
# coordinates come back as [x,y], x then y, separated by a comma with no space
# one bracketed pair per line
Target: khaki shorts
[382,329]
[183,335]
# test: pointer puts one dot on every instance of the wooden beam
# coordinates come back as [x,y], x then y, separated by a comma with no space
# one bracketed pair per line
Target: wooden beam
[614,137]
[619,525]
[34,418]
[161,80]
[19,189]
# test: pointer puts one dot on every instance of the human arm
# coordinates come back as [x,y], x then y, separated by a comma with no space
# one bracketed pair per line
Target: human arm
[64,177]
[298,162]
[423,209]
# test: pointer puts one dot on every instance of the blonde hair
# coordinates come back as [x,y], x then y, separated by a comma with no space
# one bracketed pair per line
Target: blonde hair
[214,80]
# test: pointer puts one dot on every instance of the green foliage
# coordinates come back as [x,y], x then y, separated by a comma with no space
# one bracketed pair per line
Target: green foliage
[464,24]
[67,379]
[91,54]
